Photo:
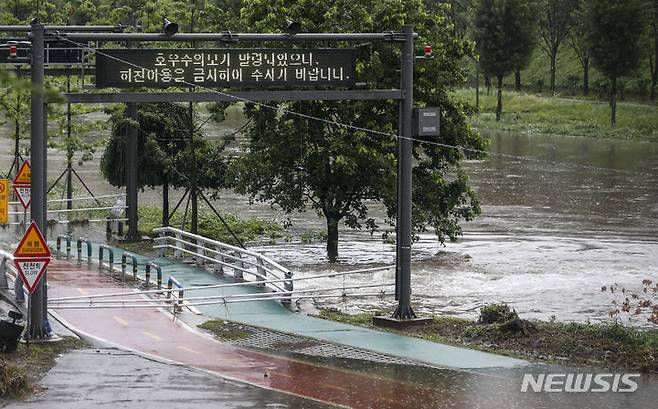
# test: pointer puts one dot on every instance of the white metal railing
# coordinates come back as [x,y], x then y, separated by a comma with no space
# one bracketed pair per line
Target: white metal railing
[224,257]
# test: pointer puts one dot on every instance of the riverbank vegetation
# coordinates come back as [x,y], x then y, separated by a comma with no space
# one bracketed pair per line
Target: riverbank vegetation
[527,113]
[21,369]
[500,330]
[246,230]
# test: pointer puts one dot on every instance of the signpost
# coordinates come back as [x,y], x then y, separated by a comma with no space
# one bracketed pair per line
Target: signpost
[31,258]
[225,67]
[4,201]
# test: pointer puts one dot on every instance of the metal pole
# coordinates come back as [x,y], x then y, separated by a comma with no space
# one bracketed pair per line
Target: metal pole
[69,150]
[131,170]
[38,208]
[404,310]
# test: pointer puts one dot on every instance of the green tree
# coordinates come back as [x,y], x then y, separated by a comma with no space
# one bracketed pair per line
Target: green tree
[15,102]
[166,155]
[555,22]
[505,35]
[578,40]
[614,40]
[296,162]
[652,46]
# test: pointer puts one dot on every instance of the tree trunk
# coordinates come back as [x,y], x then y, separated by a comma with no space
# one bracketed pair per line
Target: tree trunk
[487,83]
[517,79]
[586,76]
[332,239]
[477,88]
[165,203]
[553,69]
[499,104]
[613,103]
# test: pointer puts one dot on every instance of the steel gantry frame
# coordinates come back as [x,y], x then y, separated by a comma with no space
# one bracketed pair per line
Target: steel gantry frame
[37,32]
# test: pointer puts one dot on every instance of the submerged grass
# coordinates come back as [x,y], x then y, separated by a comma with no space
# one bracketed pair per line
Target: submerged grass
[609,345]
[575,117]
[225,330]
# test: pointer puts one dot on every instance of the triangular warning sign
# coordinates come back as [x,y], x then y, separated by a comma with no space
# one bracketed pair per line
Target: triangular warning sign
[32,244]
[24,175]
[31,270]
[24,194]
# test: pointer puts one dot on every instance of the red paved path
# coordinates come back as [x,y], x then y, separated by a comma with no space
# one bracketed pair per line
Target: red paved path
[153,332]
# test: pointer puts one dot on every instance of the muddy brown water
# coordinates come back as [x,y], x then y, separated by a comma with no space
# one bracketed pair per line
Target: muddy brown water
[562,217]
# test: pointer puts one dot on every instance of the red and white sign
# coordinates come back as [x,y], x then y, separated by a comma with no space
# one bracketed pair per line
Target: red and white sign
[23,184]
[31,257]
[24,194]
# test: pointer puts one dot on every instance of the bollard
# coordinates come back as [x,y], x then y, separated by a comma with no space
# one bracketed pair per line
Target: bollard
[110,257]
[88,243]
[170,284]
[78,245]
[133,259]
[147,276]
[58,246]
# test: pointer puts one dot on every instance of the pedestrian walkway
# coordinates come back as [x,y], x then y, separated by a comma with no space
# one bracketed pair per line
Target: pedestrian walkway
[155,333]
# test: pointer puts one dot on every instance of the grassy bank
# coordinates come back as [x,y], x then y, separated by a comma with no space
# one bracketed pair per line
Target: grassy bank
[604,345]
[531,113]
[20,370]
[210,226]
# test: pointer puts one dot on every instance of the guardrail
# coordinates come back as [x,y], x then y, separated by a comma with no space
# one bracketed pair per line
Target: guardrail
[147,275]
[224,256]
[58,245]
[79,244]
[110,256]
[176,296]
[124,258]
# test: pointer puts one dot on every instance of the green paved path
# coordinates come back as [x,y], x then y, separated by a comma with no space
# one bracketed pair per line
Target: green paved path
[272,315]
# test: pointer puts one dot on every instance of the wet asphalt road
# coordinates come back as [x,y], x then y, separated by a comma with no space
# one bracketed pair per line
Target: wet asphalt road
[110,378]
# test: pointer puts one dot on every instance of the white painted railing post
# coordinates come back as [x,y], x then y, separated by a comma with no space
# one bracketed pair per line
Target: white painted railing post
[178,245]
[237,272]
[218,268]
[261,271]
[201,251]
[163,250]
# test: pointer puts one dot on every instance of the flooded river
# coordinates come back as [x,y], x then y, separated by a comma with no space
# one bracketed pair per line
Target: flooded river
[562,217]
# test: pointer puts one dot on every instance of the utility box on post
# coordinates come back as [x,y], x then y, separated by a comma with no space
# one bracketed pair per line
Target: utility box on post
[427,122]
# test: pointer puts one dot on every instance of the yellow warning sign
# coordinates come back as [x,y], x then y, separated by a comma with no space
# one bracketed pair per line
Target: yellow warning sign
[32,244]
[24,175]
[4,201]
